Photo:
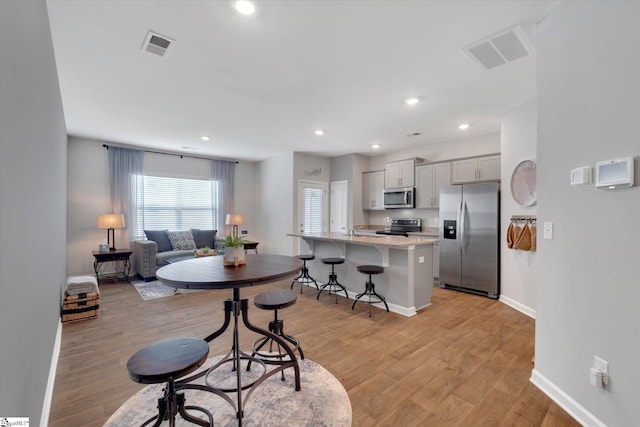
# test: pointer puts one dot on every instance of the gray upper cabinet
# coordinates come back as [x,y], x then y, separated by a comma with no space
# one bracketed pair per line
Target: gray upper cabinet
[486,168]
[372,188]
[429,179]
[399,174]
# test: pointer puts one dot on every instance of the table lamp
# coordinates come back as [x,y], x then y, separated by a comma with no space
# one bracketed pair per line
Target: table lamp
[111,222]
[235,220]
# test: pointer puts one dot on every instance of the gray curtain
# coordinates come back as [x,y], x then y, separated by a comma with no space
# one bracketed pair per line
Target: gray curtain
[126,178]
[223,173]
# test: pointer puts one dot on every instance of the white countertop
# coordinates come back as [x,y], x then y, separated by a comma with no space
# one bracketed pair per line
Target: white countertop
[380,239]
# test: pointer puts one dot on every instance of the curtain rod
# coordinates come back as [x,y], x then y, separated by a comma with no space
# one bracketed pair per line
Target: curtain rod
[174,154]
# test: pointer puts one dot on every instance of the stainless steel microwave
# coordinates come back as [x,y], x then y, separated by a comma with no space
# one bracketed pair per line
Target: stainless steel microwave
[399,198]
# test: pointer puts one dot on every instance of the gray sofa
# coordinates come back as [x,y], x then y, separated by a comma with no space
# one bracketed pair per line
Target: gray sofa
[157,249]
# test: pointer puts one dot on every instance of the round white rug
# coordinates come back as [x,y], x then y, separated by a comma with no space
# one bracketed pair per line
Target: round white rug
[322,401]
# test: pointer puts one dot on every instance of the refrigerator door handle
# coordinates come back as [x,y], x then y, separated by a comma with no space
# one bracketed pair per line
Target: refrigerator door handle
[458,235]
[463,214]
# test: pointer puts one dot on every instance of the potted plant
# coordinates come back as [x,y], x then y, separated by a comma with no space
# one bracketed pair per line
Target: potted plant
[234,250]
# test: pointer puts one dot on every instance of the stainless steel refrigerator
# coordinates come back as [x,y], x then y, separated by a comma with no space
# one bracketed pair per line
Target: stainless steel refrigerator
[469,238]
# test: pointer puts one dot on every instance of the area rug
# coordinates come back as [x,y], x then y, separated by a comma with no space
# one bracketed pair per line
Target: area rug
[322,401]
[155,289]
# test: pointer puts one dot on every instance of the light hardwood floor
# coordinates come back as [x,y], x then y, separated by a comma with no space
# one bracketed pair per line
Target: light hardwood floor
[464,361]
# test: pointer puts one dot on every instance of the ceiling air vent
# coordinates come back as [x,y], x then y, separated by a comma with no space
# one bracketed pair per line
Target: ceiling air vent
[500,48]
[157,44]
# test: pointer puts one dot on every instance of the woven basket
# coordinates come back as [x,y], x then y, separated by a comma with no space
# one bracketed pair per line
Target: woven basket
[80,307]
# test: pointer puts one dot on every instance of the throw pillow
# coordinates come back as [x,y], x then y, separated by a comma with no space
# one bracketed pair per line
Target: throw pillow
[181,240]
[204,238]
[161,239]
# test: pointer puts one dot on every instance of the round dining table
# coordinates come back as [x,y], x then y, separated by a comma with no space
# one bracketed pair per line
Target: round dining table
[211,273]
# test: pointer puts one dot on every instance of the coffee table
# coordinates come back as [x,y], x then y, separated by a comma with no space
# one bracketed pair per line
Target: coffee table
[211,273]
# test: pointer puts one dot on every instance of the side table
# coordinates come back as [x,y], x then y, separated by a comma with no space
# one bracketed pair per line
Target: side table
[251,246]
[117,255]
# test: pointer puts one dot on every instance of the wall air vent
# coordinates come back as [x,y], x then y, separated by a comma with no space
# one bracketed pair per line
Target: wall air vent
[156,44]
[500,48]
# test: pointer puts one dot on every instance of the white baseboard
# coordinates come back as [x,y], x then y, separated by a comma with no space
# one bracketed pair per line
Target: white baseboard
[48,396]
[573,408]
[518,306]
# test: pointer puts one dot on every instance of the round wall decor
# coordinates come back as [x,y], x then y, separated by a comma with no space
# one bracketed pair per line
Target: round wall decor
[523,183]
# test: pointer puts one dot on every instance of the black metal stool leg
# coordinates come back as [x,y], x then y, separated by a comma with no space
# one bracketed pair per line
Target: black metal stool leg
[276,327]
[370,290]
[304,277]
[333,285]
[172,403]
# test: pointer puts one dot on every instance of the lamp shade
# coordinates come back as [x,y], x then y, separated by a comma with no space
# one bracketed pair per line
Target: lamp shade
[234,219]
[111,221]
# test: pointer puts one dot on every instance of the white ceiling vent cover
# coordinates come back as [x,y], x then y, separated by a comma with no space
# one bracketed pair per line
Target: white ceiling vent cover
[500,48]
[157,44]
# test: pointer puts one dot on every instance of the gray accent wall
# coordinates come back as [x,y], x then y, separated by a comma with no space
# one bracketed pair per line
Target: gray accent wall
[33,209]
[588,295]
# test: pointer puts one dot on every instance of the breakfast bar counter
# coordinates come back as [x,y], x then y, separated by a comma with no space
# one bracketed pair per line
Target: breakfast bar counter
[407,281]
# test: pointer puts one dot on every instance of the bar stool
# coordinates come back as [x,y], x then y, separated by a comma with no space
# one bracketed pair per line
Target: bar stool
[304,278]
[166,361]
[370,287]
[275,300]
[332,285]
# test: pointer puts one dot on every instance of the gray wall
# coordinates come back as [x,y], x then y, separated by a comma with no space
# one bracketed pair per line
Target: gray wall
[349,168]
[343,169]
[274,195]
[32,209]
[588,299]
[518,269]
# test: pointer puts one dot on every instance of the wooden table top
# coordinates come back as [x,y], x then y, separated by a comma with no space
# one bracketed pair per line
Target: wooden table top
[210,272]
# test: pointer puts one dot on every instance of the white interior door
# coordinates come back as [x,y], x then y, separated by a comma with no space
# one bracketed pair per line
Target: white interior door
[339,206]
[312,206]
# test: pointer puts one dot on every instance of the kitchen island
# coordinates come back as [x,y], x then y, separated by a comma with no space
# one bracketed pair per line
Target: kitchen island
[407,281]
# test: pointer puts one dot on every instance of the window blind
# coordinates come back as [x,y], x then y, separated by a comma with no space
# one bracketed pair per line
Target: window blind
[313,210]
[177,204]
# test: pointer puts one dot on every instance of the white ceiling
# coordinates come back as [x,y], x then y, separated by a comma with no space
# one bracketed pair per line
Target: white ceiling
[260,85]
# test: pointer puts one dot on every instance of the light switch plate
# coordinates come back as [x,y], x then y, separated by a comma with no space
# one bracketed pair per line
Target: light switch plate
[548,230]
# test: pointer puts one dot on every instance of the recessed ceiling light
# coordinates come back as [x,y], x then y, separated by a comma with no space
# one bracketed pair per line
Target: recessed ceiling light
[376,146]
[205,138]
[463,126]
[319,132]
[245,7]
[411,101]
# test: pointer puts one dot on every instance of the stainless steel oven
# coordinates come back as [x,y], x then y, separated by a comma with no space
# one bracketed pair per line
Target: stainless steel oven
[399,198]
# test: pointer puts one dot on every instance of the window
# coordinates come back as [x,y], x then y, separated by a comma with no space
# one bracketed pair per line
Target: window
[313,209]
[177,204]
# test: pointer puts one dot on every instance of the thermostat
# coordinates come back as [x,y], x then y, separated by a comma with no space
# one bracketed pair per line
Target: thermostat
[616,173]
